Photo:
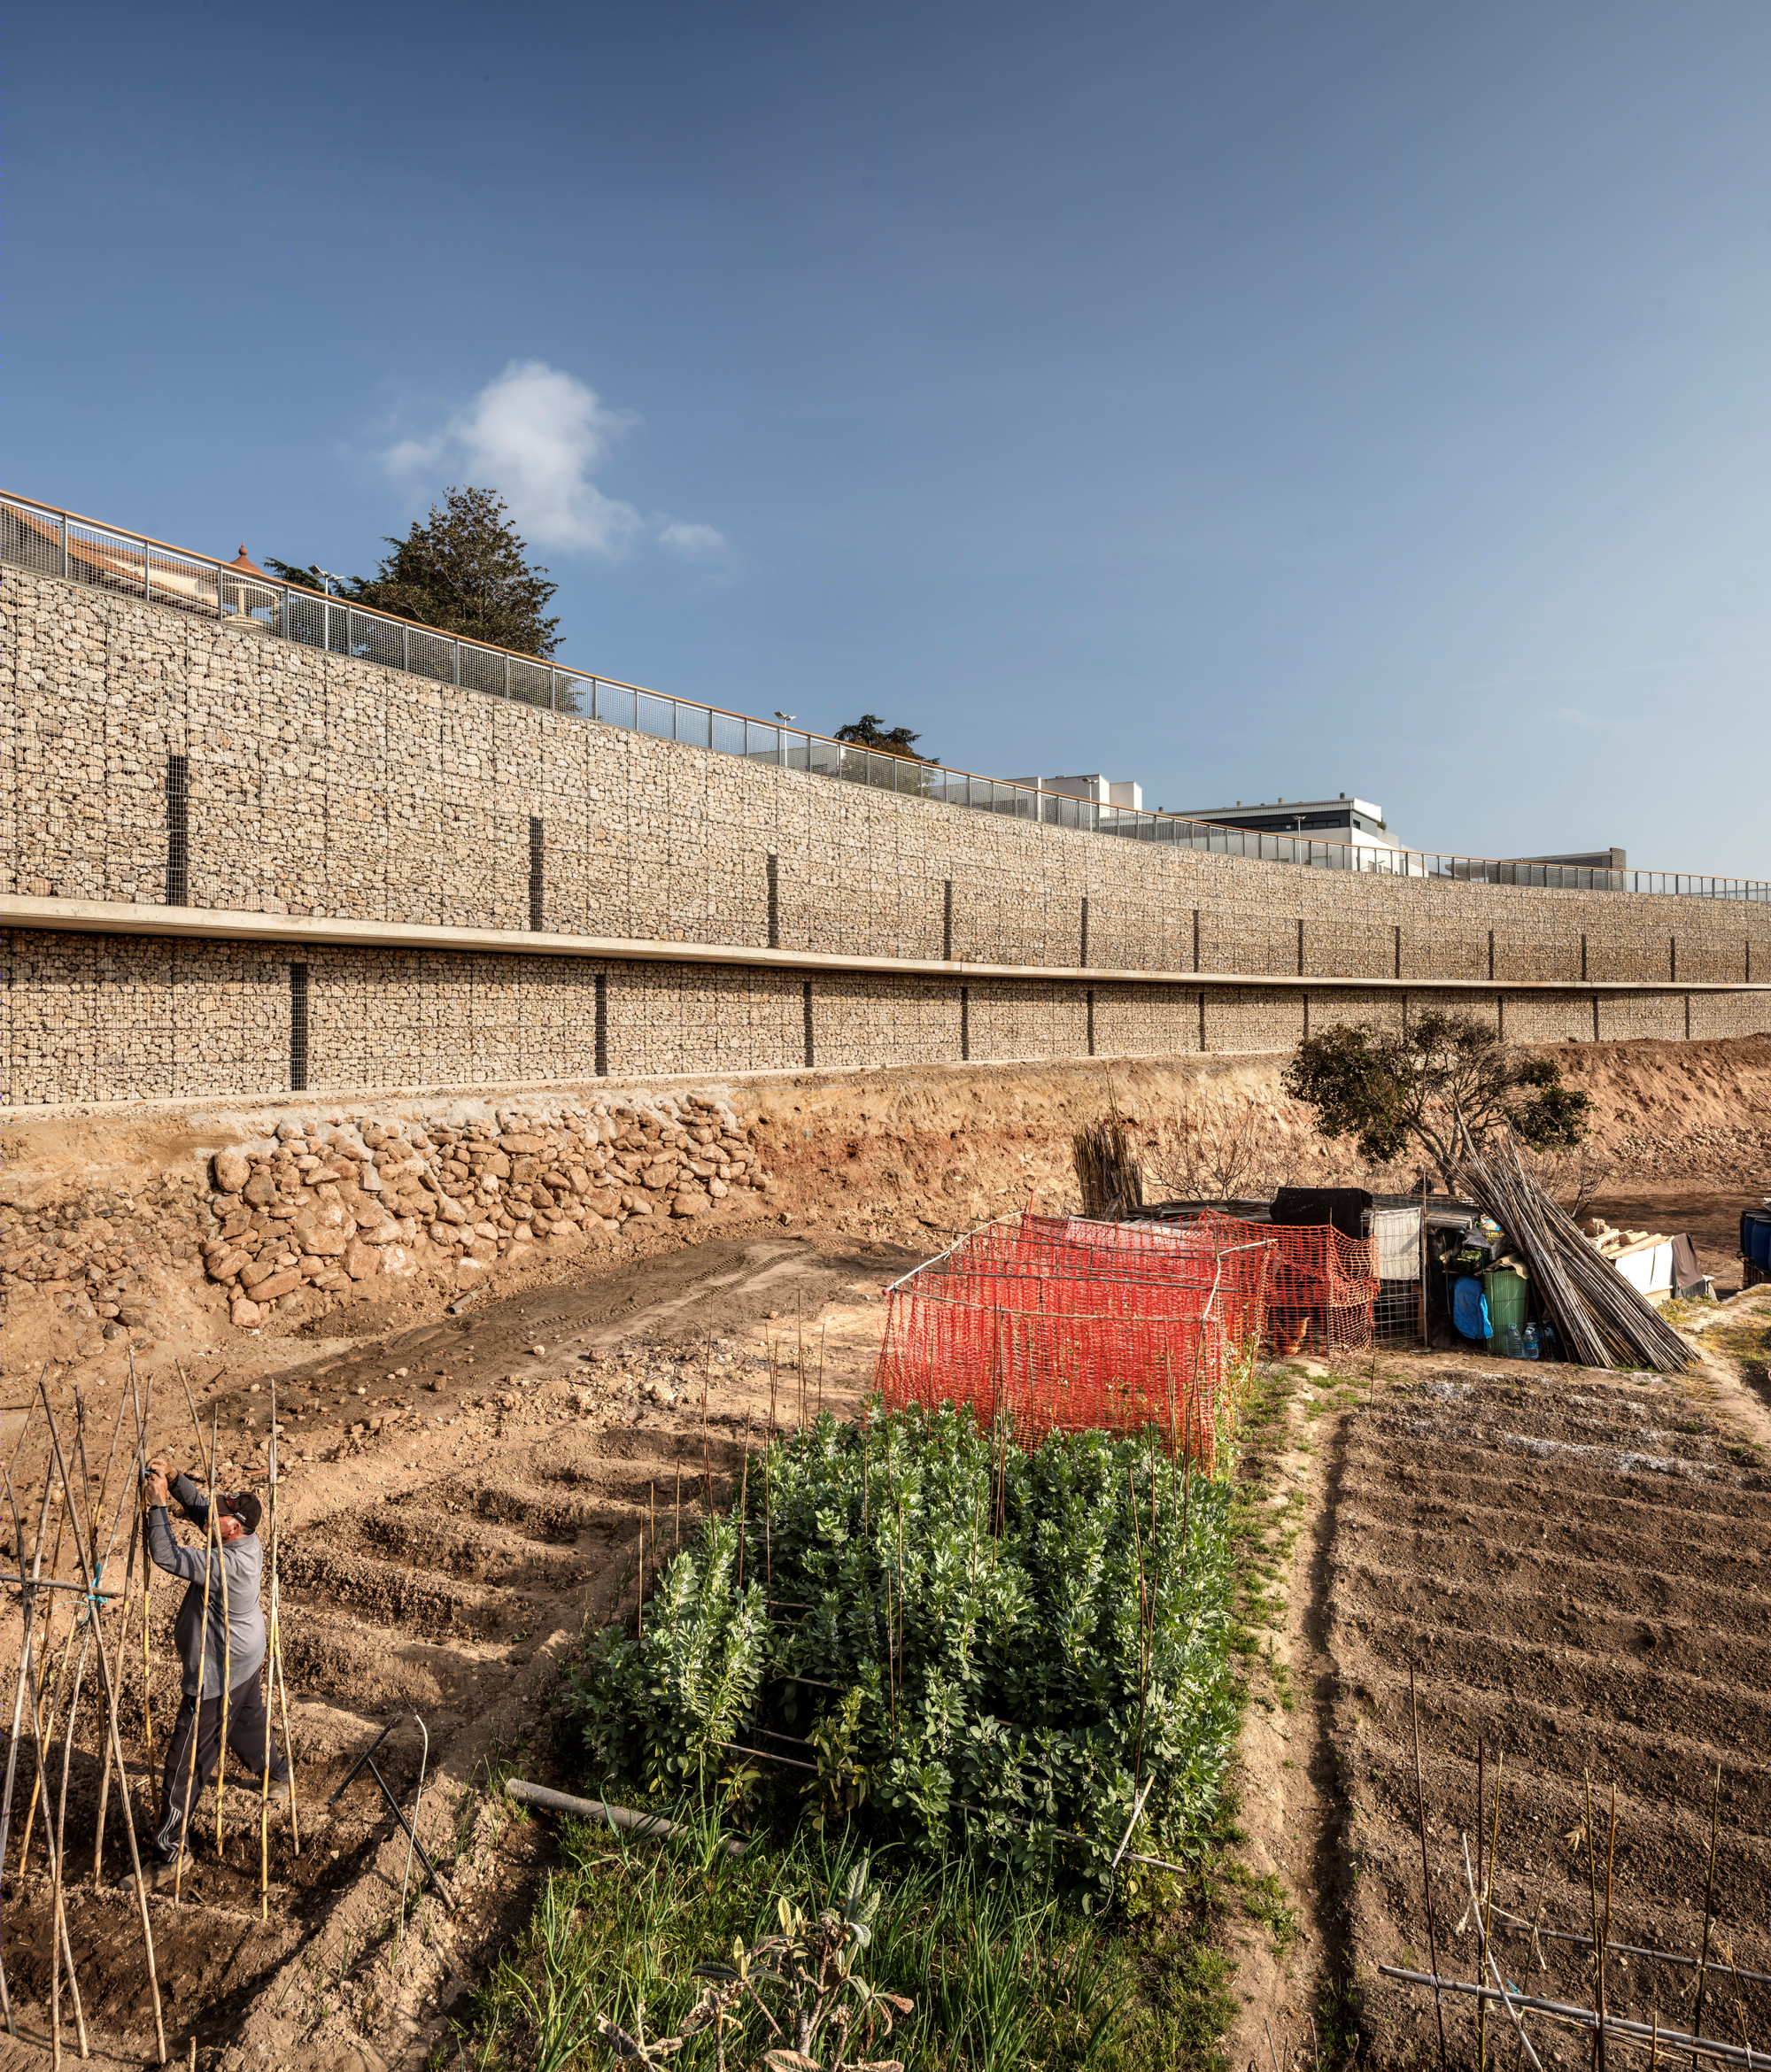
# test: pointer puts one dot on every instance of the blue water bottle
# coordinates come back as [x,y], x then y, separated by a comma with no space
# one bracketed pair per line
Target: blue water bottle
[1531,1342]
[1514,1346]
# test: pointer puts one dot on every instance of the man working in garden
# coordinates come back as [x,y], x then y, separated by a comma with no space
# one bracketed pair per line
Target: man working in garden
[226,1649]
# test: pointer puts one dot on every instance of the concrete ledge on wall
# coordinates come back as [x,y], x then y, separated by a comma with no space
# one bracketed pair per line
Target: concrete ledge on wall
[19,910]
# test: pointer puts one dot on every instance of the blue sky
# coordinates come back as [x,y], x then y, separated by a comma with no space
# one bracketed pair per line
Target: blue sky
[1259,401]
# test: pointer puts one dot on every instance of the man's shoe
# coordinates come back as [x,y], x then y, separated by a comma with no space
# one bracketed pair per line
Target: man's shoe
[159,1873]
[278,1793]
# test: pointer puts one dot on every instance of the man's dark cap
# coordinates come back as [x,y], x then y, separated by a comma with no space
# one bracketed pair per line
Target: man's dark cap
[245,1507]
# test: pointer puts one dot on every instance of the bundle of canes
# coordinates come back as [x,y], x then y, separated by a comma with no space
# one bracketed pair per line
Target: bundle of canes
[30,1585]
[1600,1315]
[138,1537]
[114,1743]
[88,1628]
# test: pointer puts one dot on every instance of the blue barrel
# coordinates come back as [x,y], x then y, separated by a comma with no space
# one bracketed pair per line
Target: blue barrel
[1758,1240]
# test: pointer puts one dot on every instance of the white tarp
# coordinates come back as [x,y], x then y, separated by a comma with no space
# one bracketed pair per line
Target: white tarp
[1398,1234]
[1650,1267]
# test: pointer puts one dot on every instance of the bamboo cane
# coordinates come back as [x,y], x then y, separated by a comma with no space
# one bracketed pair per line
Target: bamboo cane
[1709,1912]
[226,1649]
[117,1757]
[19,1690]
[143,1412]
[1425,1876]
[265,1778]
[94,1612]
[277,1657]
[56,1878]
[42,1681]
[202,1663]
[56,1846]
[56,1849]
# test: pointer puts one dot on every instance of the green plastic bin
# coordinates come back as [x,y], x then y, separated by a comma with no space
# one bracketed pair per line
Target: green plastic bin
[1506,1294]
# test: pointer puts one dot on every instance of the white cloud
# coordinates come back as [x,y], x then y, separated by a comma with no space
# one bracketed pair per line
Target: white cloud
[538,435]
[691,539]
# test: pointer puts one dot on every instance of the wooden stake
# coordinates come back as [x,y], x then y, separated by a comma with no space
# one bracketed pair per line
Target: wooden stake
[24,1678]
[264,1780]
[1425,1876]
[1481,1821]
[275,1638]
[227,1636]
[1605,1937]
[1709,1912]
[743,1511]
[116,1756]
[639,1610]
[202,1663]
[1598,1937]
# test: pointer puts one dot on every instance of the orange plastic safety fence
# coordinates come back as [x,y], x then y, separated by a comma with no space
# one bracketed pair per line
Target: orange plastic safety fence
[1321,1291]
[1054,1327]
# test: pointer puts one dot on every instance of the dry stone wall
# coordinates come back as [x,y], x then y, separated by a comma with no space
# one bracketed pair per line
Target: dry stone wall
[320,1210]
[317,783]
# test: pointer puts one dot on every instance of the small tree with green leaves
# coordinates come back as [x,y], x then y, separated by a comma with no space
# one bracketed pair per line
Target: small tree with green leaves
[1448,1086]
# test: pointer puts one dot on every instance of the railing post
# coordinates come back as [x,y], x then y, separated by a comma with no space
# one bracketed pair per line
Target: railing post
[506,676]
[147,574]
[63,546]
[455,658]
[405,648]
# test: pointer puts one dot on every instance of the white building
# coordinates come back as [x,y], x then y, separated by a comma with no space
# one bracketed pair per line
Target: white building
[1355,821]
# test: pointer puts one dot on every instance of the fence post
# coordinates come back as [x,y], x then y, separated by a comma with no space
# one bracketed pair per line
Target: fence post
[147,574]
[63,545]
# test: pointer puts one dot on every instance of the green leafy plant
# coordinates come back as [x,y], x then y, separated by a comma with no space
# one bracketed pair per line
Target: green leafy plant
[1028,1650]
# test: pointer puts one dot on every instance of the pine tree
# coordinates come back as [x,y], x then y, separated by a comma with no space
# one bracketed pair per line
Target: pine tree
[464,570]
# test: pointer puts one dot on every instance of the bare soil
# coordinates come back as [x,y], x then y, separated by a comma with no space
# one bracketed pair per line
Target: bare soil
[1576,1569]
[1575,1564]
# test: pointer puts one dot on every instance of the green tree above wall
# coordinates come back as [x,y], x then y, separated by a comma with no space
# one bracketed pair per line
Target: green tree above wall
[867,732]
[463,569]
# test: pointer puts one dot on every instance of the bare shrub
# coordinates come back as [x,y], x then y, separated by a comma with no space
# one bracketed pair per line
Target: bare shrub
[1200,1155]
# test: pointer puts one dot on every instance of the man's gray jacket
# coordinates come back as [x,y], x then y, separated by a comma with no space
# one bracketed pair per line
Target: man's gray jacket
[242,1562]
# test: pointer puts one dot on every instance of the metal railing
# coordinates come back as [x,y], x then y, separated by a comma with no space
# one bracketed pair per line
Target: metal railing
[55,542]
